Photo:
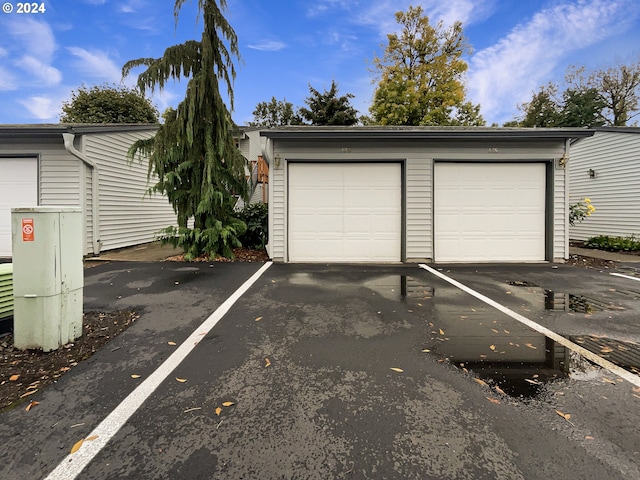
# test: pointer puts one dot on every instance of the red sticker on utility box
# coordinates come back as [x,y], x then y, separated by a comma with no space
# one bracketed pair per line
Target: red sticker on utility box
[27,230]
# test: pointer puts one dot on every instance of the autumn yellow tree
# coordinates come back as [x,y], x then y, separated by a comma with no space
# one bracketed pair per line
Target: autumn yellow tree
[421,75]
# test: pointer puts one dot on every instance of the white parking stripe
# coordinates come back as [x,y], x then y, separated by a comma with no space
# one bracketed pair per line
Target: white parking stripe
[625,276]
[74,463]
[606,364]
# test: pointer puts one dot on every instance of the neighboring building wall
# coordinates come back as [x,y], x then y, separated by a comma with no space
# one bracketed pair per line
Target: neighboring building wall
[614,155]
[129,215]
[418,157]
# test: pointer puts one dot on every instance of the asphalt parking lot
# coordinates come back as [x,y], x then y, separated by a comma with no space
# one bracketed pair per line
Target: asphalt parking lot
[343,372]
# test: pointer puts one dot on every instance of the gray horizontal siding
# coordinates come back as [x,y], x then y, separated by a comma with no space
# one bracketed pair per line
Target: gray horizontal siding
[614,191]
[418,156]
[418,229]
[128,214]
[560,216]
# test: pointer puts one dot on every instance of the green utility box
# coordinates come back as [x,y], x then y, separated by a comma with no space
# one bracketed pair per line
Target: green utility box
[48,277]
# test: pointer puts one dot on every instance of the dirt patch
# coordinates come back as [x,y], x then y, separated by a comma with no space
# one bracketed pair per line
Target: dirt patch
[591,262]
[25,372]
[240,255]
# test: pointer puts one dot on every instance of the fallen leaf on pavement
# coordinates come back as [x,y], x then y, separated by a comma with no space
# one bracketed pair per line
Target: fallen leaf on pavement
[494,330]
[267,363]
[530,346]
[181,380]
[493,400]
[227,404]
[588,437]
[258,319]
[606,350]
[172,343]
[534,382]
[441,332]
[426,350]
[492,347]
[193,409]
[28,393]
[396,369]
[31,405]
[481,382]
[218,411]
[605,379]
[91,438]
[13,378]
[77,446]
[499,390]
[566,416]
[135,376]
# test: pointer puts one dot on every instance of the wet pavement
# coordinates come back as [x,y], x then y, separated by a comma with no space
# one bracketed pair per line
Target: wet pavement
[350,372]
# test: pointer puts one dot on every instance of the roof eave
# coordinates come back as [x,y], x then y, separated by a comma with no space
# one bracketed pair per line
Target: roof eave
[410,134]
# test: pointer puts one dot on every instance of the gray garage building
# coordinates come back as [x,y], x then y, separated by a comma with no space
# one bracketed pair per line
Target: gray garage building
[414,194]
[86,166]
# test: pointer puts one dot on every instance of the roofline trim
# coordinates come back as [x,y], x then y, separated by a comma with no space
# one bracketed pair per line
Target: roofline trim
[437,134]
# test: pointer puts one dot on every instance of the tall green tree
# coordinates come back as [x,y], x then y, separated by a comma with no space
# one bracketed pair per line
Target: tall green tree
[193,154]
[329,108]
[543,110]
[618,86]
[421,75]
[275,113]
[582,108]
[108,104]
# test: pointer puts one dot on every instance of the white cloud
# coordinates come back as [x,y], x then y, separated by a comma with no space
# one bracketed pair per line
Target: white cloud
[505,74]
[381,13]
[268,45]
[166,98]
[41,107]
[47,74]
[96,64]
[7,80]
[32,37]
[132,6]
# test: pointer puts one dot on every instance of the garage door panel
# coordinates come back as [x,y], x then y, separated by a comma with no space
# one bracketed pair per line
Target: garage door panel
[354,215]
[18,188]
[489,212]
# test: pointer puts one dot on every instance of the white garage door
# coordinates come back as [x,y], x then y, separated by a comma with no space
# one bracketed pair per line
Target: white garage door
[489,212]
[18,188]
[344,212]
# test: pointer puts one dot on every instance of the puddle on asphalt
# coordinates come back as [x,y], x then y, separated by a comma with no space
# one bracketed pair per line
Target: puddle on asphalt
[492,347]
[401,287]
[566,302]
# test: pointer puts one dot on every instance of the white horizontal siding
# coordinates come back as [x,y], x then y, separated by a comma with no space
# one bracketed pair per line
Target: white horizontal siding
[418,228]
[128,214]
[614,191]
[277,205]
[560,215]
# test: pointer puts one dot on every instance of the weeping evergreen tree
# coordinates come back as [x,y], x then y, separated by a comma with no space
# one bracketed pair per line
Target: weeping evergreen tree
[193,154]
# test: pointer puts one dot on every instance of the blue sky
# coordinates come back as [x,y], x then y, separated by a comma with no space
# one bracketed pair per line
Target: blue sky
[286,45]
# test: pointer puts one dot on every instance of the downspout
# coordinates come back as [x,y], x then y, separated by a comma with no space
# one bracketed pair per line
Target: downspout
[95,194]
[563,163]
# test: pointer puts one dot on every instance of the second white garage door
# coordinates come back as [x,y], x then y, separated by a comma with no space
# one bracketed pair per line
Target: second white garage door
[344,212]
[489,212]
[18,188]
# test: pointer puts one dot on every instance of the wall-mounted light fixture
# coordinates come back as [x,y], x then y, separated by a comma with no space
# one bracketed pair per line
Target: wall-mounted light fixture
[277,160]
[592,173]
